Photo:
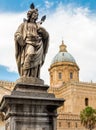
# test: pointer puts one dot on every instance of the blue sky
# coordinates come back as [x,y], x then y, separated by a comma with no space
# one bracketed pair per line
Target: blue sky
[7,75]
[78,19]
[22,5]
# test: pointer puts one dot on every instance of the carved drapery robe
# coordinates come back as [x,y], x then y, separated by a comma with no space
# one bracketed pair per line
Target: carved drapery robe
[31,45]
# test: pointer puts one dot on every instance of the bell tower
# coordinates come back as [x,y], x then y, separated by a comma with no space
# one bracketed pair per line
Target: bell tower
[63,68]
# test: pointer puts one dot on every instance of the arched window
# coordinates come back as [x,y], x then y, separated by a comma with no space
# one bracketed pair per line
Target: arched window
[71,75]
[86,101]
[68,124]
[51,77]
[59,124]
[76,125]
[60,75]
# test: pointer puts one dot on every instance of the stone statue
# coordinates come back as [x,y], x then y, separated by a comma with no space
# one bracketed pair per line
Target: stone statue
[31,44]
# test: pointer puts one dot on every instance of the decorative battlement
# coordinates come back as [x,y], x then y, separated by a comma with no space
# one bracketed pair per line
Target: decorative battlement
[81,84]
[7,84]
[69,116]
[85,83]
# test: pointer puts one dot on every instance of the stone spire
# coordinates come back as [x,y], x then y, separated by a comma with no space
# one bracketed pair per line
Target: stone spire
[62,47]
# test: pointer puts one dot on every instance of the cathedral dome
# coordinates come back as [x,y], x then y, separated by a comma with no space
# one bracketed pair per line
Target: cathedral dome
[63,55]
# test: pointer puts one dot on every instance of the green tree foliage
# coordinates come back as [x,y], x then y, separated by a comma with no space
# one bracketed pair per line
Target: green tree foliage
[88,118]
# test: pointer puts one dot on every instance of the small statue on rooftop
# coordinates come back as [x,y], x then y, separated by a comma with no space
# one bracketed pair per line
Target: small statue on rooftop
[31,44]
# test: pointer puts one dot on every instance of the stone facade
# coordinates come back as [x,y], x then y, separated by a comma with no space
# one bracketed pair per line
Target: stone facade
[65,69]
[75,95]
[64,83]
[5,89]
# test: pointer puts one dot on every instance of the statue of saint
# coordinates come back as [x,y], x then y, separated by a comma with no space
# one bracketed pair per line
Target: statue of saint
[31,44]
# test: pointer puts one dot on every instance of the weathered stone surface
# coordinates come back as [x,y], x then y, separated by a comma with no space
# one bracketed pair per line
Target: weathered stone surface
[30,80]
[31,44]
[30,107]
[32,90]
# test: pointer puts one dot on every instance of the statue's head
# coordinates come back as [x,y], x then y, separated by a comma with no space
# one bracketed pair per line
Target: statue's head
[32,13]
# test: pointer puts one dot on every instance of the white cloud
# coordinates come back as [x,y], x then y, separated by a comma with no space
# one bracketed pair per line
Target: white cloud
[75,25]
[8,25]
[48,4]
[78,30]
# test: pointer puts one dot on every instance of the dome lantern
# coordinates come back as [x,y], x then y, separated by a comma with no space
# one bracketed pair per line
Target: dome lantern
[62,47]
[63,55]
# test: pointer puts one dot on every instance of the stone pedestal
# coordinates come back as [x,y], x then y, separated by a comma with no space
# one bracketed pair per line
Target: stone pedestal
[30,107]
